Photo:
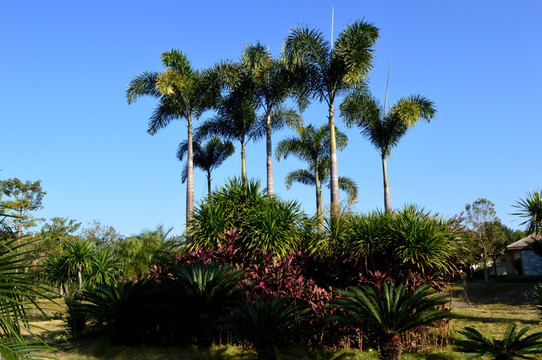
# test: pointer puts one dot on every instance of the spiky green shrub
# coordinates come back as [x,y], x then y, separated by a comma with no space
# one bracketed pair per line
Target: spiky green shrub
[510,347]
[266,325]
[265,224]
[389,312]
[17,287]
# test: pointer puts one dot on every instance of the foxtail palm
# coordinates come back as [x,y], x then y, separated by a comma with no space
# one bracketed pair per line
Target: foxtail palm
[385,129]
[184,93]
[273,83]
[312,146]
[390,311]
[207,156]
[330,70]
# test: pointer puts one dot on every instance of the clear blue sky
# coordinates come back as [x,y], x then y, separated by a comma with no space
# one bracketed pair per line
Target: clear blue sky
[64,119]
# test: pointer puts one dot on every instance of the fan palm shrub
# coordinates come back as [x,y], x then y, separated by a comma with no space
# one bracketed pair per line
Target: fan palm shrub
[510,347]
[389,311]
[265,324]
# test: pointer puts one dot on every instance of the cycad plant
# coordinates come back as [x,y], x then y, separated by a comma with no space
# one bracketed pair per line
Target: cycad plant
[200,294]
[389,312]
[510,347]
[265,324]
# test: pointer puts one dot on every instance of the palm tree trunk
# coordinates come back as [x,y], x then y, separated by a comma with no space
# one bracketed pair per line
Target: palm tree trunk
[390,347]
[209,182]
[335,201]
[269,150]
[319,205]
[80,280]
[190,177]
[387,198]
[244,176]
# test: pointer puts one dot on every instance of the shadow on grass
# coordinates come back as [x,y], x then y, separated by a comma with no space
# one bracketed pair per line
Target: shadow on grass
[484,319]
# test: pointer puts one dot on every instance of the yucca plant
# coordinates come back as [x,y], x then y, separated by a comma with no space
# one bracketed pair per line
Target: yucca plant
[265,324]
[530,208]
[510,347]
[389,312]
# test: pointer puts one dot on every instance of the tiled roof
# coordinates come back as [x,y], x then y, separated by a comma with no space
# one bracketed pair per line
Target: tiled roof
[523,243]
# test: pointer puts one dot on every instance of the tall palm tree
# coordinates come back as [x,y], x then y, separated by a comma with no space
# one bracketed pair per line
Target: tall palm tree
[312,146]
[207,156]
[390,311]
[273,83]
[330,70]
[385,129]
[184,93]
[530,208]
[236,120]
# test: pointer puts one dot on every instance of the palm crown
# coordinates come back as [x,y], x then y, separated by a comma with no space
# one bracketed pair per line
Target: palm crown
[330,70]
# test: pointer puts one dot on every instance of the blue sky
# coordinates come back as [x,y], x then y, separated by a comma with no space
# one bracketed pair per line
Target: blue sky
[64,119]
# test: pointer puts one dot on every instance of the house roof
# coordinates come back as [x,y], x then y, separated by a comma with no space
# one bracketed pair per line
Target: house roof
[523,243]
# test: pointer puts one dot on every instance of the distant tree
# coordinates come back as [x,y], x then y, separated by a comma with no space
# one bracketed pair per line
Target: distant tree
[478,215]
[207,156]
[385,128]
[58,230]
[530,208]
[100,234]
[496,240]
[22,198]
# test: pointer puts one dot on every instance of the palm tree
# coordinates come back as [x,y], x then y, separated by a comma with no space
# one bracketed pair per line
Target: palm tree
[273,83]
[530,208]
[78,259]
[389,311]
[312,146]
[385,129]
[510,347]
[184,94]
[207,156]
[330,70]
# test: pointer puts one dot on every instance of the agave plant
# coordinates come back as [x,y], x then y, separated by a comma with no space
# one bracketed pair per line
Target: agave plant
[510,347]
[389,311]
[264,325]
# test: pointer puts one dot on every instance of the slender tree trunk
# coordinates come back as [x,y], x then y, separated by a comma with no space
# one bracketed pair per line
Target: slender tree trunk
[208,183]
[484,256]
[319,205]
[190,178]
[244,176]
[269,151]
[387,198]
[335,200]
[80,279]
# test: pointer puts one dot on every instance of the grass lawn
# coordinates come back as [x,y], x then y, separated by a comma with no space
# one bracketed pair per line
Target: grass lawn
[489,307]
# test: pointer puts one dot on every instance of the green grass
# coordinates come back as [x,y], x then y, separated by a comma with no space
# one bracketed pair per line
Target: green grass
[489,307]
